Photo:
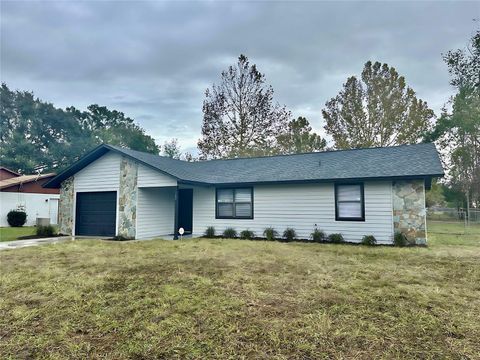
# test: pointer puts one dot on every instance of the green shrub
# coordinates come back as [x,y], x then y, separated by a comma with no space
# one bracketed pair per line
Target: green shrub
[318,235]
[46,230]
[16,218]
[400,239]
[230,233]
[369,240]
[336,238]
[247,235]
[270,233]
[289,234]
[209,232]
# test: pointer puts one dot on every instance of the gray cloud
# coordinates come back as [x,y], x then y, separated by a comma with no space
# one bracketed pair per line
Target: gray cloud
[154,60]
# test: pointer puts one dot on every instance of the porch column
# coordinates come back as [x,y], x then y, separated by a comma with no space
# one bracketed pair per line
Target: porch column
[175,230]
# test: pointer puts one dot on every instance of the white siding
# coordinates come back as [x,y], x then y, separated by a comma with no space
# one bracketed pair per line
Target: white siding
[301,207]
[101,175]
[148,177]
[155,212]
[36,205]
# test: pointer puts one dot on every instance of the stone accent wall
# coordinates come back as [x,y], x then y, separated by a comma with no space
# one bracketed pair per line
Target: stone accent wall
[409,213]
[127,199]
[65,207]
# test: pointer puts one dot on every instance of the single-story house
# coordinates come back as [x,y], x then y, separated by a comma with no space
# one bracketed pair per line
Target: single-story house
[26,192]
[114,191]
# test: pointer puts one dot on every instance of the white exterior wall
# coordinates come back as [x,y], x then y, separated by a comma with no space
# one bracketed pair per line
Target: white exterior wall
[36,205]
[301,206]
[155,206]
[155,212]
[101,175]
[148,177]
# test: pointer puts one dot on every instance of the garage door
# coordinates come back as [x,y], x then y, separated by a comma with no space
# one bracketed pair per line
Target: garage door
[96,213]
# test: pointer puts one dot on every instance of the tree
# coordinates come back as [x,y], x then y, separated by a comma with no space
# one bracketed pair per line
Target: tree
[239,116]
[299,138]
[171,149]
[435,196]
[34,135]
[458,132]
[113,127]
[378,110]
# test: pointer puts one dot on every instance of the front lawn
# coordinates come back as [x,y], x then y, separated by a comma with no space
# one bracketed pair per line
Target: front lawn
[13,233]
[241,299]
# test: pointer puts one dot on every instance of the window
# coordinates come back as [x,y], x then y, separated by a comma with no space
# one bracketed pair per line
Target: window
[234,203]
[349,202]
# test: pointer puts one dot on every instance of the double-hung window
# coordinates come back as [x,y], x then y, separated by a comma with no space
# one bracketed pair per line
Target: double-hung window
[349,202]
[234,203]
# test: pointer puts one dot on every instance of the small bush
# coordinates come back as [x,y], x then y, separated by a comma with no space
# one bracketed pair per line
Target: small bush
[369,240]
[46,230]
[336,238]
[289,234]
[400,239]
[247,235]
[16,218]
[270,233]
[318,235]
[209,232]
[230,233]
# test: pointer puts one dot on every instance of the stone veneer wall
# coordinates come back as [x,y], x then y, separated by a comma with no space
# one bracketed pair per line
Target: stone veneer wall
[127,199]
[409,213]
[65,207]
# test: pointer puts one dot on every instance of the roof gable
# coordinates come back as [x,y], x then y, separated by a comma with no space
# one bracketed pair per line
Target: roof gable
[6,173]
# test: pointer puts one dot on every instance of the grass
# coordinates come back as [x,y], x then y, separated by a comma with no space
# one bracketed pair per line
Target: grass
[13,233]
[241,299]
[453,234]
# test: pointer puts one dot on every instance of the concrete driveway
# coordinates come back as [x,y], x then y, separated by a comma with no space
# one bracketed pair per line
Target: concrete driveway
[32,242]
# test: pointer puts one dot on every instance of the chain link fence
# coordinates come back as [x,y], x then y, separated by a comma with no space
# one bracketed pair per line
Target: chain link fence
[454,215]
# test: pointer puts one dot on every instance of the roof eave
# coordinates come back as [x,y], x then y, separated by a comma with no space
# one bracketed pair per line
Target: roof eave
[331,180]
[77,166]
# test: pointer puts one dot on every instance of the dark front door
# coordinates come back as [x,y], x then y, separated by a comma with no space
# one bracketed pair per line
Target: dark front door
[96,213]
[185,209]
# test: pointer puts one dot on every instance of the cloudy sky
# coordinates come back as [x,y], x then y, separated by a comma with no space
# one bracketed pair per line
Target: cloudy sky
[154,60]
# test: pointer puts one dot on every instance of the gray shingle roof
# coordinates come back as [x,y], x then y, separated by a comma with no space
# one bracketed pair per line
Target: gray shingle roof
[417,160]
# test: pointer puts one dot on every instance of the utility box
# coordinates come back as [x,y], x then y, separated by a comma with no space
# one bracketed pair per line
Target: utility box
[43,221]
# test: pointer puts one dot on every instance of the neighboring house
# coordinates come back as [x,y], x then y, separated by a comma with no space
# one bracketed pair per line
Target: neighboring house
[26,192]
[115,191]
[7,173]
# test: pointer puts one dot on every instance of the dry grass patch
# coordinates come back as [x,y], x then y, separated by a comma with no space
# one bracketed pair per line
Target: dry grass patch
[236,298]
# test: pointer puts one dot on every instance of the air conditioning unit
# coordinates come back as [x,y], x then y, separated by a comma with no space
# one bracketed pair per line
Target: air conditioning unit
[43,221]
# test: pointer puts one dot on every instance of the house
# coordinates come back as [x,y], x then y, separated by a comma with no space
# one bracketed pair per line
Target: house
[376,191]
[26,192]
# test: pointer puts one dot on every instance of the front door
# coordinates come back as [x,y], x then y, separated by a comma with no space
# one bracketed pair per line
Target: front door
[185,209]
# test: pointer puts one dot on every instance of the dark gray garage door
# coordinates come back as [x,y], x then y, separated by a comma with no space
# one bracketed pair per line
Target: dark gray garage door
[96,213]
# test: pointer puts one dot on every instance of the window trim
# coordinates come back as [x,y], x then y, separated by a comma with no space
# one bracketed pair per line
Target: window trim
[217,216]
[362,202]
